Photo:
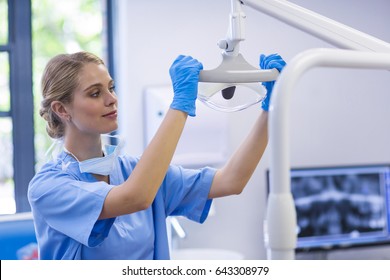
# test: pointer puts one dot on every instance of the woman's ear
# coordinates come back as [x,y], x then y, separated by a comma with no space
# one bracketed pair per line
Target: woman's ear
[60,110]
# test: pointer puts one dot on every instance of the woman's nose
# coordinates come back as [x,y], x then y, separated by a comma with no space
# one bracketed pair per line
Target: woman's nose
[111,98]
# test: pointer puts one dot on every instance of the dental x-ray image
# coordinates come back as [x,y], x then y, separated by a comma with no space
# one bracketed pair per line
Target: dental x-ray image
[341,206]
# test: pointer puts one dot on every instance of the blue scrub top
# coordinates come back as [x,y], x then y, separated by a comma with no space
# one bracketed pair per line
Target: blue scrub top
[66,205]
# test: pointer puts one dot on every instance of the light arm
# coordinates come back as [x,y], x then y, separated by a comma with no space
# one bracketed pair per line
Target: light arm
[319,26]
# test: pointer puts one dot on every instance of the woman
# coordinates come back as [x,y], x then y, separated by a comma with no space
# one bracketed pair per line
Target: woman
[88,204]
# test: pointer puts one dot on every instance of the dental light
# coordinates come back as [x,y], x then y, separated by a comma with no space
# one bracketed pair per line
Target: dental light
[234,70]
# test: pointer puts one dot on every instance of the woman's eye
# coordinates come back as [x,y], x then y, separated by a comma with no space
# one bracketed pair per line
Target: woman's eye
[112,89]
[95,94]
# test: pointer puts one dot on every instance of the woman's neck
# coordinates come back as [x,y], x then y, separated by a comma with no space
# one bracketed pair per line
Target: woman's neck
[83,147]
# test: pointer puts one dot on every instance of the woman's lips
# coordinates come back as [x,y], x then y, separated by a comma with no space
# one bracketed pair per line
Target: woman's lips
[112,114]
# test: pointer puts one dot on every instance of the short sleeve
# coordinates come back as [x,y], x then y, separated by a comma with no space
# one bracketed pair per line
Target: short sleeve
[71,206]
[186,192]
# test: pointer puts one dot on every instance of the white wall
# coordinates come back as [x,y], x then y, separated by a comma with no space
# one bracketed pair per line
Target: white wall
[338,117]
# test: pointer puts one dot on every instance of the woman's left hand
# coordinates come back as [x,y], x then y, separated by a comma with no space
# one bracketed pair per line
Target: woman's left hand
[270,62]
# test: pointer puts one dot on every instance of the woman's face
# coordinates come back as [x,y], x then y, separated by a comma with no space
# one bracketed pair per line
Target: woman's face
[94,106]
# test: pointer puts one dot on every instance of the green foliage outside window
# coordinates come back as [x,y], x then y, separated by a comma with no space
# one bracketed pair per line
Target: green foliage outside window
[3,22]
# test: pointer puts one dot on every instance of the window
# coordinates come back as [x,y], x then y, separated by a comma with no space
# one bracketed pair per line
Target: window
[69,28]
[16,132]
[31,32]
[3,22]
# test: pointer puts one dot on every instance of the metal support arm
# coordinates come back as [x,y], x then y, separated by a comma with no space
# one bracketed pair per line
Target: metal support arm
[281,217]
[280,225]
[319,26]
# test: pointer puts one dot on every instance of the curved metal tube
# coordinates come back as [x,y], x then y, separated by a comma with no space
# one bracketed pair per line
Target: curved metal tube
[281,215]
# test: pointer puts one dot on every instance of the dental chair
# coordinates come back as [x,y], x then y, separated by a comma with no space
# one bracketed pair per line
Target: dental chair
[17,237]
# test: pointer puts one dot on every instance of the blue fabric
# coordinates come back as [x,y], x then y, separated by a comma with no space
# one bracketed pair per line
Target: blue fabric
[66,205]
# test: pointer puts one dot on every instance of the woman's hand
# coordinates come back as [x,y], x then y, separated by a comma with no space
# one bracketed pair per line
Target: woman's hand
[184,74]
[270,62]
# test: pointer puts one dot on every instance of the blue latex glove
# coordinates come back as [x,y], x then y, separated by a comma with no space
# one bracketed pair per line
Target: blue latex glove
[270,62]
[185,77]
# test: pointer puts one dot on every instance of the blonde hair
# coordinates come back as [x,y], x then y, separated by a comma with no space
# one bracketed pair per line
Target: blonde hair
[59,80]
